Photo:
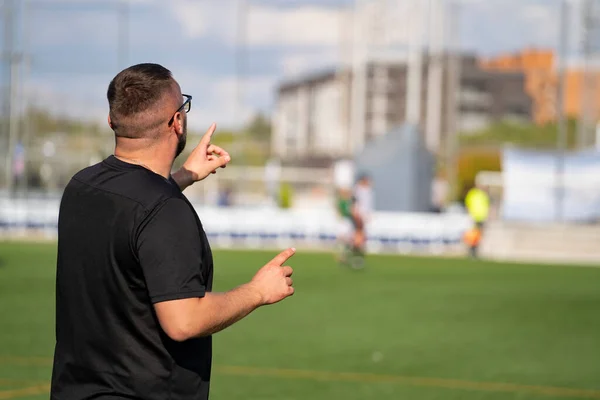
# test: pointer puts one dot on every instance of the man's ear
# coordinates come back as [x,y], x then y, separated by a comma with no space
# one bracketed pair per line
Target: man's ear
[178,122]
[110,122]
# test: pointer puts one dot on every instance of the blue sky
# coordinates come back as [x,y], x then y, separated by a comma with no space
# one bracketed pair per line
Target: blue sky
[74,52]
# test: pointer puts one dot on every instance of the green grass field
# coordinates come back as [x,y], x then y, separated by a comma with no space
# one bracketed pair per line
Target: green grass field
[404,328]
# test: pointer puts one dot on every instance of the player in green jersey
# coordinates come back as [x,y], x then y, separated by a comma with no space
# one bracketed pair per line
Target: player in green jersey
[351,253]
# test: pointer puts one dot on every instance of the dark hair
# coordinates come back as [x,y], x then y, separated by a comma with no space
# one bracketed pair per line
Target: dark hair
[133,91]
[362,176]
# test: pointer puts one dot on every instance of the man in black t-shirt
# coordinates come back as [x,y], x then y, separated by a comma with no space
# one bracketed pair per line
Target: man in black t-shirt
[135,309]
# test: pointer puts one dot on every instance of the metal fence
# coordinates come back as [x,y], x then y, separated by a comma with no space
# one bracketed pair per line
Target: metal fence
[58,57]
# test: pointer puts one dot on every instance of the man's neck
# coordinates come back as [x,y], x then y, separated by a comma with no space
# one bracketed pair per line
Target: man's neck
[147,158]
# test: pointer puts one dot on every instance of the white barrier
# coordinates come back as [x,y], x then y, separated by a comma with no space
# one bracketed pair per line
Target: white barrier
[272,228]
[532,192]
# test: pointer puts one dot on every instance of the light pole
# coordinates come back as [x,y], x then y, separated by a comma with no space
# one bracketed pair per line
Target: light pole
[13,61]
[414,73]
[358,79]
[240,66]
[435,76]
[240,56]
[586,123]
[123,33]
[562,122]
[453,85]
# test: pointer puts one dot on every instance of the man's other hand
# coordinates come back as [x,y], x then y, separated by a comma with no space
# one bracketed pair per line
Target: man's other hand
[274,281]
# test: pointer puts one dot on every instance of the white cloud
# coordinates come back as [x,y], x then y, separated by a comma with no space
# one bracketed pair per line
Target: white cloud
[300,26]
[226,106]
[48,26]
[536,12]
[203,18]
[490,27]
[77,96]
[264,26]
[300,63]
[193,17]
[541,24]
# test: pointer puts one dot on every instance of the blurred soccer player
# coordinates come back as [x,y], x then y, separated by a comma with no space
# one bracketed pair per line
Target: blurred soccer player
[355,208]
[135,309]
[363,193]
[477,203]
[346,210]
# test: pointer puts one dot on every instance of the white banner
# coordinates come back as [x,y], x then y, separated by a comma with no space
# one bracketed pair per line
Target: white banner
[273,228]
[533,190]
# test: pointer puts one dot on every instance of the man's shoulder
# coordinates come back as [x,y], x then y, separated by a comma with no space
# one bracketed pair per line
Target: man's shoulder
[136,184]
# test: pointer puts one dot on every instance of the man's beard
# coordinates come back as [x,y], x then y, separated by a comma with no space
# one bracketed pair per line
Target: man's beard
[182,140]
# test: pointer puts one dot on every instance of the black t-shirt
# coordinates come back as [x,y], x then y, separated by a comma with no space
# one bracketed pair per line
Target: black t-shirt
[127,238]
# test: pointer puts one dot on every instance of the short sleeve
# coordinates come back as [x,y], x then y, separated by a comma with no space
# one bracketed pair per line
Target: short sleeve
[170,253]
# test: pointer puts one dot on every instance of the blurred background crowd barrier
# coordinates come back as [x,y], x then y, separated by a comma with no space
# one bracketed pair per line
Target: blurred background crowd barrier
[428,97]
[272,228]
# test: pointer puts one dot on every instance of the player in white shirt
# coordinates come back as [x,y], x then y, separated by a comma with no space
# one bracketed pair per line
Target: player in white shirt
[363,195]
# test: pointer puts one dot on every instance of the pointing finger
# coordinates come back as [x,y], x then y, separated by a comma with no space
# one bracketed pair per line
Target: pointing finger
[208,135]
[283,256]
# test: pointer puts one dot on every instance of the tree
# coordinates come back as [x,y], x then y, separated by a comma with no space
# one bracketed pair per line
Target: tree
[520,135]
[259,128]
[482,150]
[471,161]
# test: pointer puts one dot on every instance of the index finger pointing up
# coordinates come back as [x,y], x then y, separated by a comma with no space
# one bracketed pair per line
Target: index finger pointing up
[208,135]
[282,257]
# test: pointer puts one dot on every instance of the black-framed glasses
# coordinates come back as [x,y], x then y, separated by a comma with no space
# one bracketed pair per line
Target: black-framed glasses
[186,107]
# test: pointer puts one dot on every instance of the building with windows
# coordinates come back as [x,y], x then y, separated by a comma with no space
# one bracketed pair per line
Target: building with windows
[313,116]
[581,89]
[311,119]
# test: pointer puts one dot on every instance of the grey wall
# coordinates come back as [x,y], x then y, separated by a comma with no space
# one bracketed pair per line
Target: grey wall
[401,170]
